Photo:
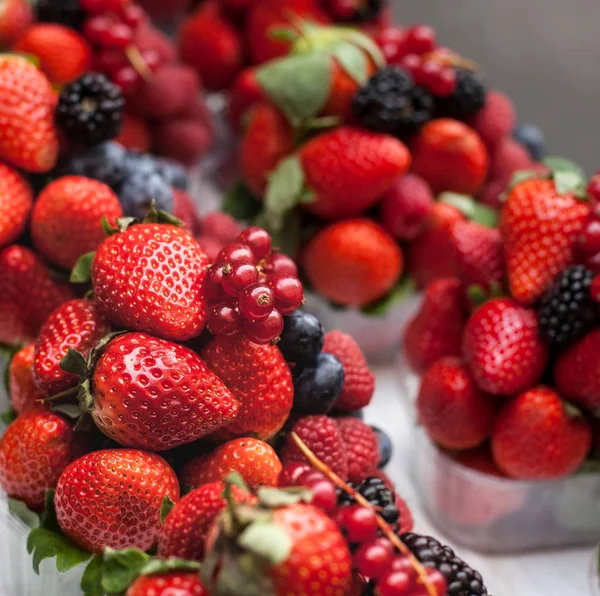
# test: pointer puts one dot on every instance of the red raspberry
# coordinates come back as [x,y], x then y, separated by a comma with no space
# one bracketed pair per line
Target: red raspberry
[362,448]
[220,226]
[359,383]
[183,139]
[185,209]
[496,120]
[508,158]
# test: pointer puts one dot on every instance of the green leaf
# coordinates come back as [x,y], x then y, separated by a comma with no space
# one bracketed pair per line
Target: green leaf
[69,410]
[8,416]
[405,288]
[91,582]
[165,508]
[298,85]
[284,34]
[107,228]
[287,236]
[73,362]
[323,123]
[124,223]
[45,544]
[569,181]
[122,567]
[20,510]
[48,519]
[563,164]
[589,466]
[161,566]
[521,176]
[284,189]
[82,272]
[268,540]
[353,61]
[278,497]
[236,479]
[240,203]
[471,209]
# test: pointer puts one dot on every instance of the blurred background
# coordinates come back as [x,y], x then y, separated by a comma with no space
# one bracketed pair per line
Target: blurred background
[545,54]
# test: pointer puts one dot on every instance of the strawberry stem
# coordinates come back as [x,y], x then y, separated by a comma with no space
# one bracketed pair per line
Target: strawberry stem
[67,393]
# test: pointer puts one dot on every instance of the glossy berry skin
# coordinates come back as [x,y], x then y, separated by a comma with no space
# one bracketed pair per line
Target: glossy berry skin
[265,331]
[149,278]
[536,438]
[302,338]
[358,523]
[238,276]
[259,378]
[224,319]
[386,447]
[34,451]
[121,512]
[362,448]
[24,395]
[177,583]
[258,240]
[278,264]
[185,529]
[454,412]
[255,461]
[502,348]
[287,291]
[16,200]
[76,324]
[256,302]
[374,557]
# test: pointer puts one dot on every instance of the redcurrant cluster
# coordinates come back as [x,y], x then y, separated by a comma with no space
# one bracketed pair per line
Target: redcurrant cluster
[250,288]
[111,27]
[590,236]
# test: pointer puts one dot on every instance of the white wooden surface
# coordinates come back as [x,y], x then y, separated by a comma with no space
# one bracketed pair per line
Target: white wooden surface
[554,573]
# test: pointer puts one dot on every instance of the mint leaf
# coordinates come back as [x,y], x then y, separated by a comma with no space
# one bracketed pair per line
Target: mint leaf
[563,164]
[91,582]
[240,203]
[20,510]
[353,61]
[45,544]
[165,508]
[285,188]
[405,288]
[268,540]
[121,568]
[82,272]
[569,181]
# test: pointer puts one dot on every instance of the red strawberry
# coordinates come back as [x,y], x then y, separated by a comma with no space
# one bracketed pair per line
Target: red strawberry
[63,53]
[359,381]
[539,227]
[450,156]
[577,372]
[536,438]
[245,94]
[28,138]
[255,460]
[135,133]
[16,200]
[323,437]
[502,347]
[28,294]
[114,513]
[268,139]
[75,324]
[154,394]
[176,583]
[436,330]
[66,220]
[34,451]
[259,377]
[349,169]
[362,448]
[455,413]
[16,17]
[209,43]
[24,395]
[184,531]
[353,262]
[496,120]
[149,278]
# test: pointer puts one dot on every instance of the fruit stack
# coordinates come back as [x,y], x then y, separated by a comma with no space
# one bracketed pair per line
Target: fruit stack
[510,366]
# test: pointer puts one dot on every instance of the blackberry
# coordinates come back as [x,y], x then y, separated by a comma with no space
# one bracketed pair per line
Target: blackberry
[90,110]
[567,310]
[468,98]
[64,12]
[461,579]
[390,102]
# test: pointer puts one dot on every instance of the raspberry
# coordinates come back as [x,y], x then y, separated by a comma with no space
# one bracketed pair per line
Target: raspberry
[492,192]
[362,448]
[185,209]
[496,121]
[220,226]
[508,158]
[183,139]
[468,98]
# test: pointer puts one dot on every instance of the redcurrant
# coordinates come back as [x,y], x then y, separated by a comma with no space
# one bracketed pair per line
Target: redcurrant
[119,35]
[258,240]
[291,472]
[324,495]
[428,74]
[445,84]
[394,583]
[111,61]
[403,563]
[412,63]
[134,16]
[213,284]
[237,276]
[279,264]
[266,330]
[94,6]
[436,579]
[127,78]
[374,557]
[95,29]
[392,42]
[590,236]
[421,39]
[256,302]
[288,292]
[359,523]
[225,319]
[236,252]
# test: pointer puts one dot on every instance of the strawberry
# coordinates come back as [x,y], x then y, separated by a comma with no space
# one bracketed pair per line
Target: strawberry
[16,200]
[348,169]
[479,254]
[267,140]
[64,55]
[450,156]
[185,529]
[502,347]
[539,226]
[431,255]
[34,451]
[28,294]
[150,393]
[455,413]
[28,138]
[66,220]
[76,324]
[245,94]
[24,395]
[323,437]
[135,133]
[176,583]
[353,262]
[209,43]
[16,17]
[537,438]
[255,461]
[577,372]
[436,330]
[359,381]
[122,511]
[362,448]
[149,278]
[259,378]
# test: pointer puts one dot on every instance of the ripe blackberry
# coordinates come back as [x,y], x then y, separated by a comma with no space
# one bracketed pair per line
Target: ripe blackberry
[90,110]
[390,102]
[461,579]
[567,310]
[64,12]
[366,10]
[468,98]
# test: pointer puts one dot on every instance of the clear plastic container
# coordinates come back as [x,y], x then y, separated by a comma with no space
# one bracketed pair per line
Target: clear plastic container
[499,515]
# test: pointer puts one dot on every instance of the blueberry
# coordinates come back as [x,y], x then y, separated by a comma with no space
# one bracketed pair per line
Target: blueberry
[317,387]
[302,338]
[140,189]
[173,172]
[532,138]
[104,162]
[140,163]
[385,447]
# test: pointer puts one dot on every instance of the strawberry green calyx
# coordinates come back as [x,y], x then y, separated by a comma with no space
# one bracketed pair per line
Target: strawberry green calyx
[471,209]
